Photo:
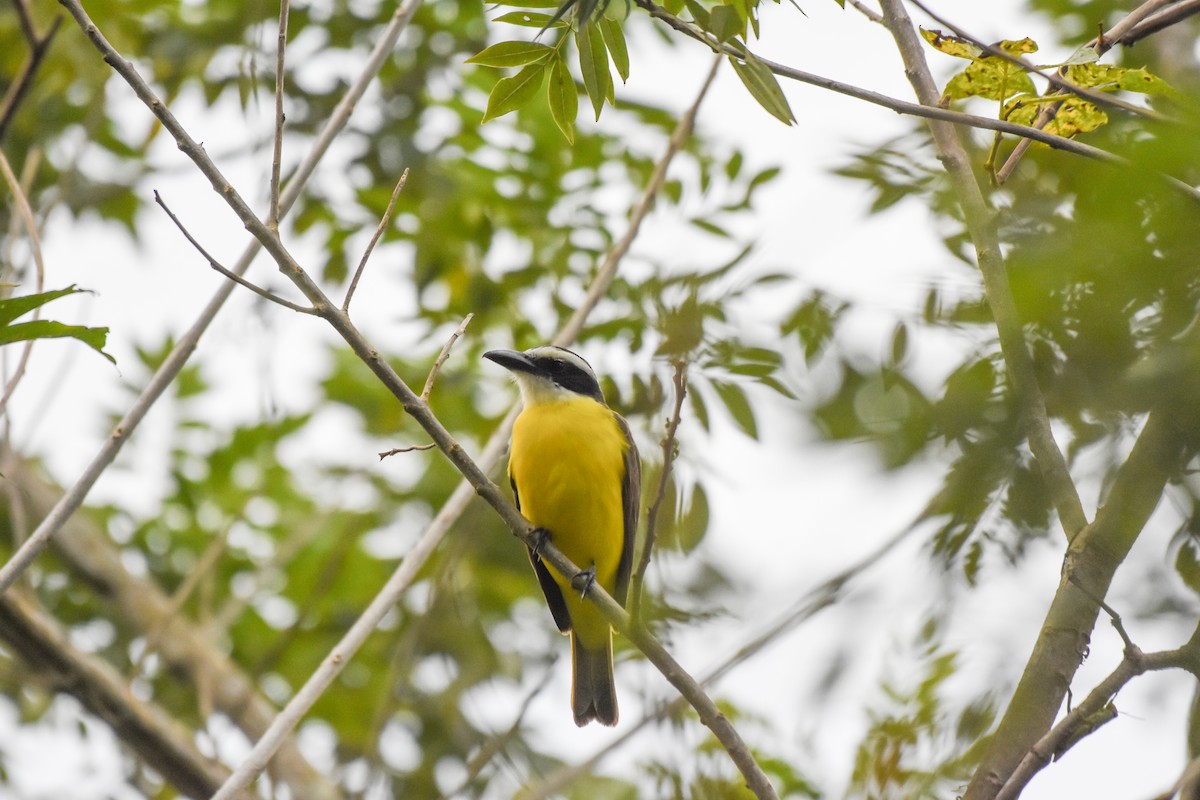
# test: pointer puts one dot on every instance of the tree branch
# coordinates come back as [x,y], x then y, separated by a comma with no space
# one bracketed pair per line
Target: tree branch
[74,497]
[277,147]
[383,223]
[669,448]
[185,647]
[980,225]
[1064,734]
[1092,559]
[154,735]
[233,276]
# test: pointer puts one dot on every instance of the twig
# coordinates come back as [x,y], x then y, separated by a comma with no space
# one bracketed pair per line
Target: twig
[669,448]
[1057,81]
[35,245]
[1105,41]
[869,13]
[411,448]
[1164,18]
[475,482]
[1189,781]
[1054,743]
[277,150]
[173,363]
[38,47]
[383,223]
[1113,616]
[233,276]
[445,354]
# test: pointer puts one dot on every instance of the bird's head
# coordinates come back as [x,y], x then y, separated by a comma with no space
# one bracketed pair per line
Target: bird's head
[548,374]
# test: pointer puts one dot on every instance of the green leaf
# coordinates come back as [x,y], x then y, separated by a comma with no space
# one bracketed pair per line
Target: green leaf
[1141,80]
[511,54]
[563,97]
[763,88]
[724,23]
[530,19]
[593,64]
[515,92]
[735,401]
[614,37]
[15,307]
[991,77]
[94,338]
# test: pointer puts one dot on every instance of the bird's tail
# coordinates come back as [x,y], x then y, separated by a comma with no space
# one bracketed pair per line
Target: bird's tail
[593,690]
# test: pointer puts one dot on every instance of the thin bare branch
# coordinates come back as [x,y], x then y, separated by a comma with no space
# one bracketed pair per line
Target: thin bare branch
[669,451]
[412,448]
[1105,41]
[233,276]
[445,354]
[277,149]
[383,223]
[1083,717]
[25,212]
[867,12]
[38,47]
[1163,18]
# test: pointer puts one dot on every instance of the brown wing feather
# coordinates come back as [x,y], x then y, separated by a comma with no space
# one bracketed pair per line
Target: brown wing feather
[631,497]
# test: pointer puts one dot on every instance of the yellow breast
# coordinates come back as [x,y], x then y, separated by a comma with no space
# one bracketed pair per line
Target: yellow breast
[568,464]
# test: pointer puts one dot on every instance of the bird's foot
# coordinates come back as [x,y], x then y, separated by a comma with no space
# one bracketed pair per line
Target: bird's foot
[583,581]
[541,536]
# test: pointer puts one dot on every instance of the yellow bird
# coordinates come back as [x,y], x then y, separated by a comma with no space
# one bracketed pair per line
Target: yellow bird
[575,473]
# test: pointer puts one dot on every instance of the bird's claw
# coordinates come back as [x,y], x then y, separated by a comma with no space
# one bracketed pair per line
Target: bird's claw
[541,536]
[583,581]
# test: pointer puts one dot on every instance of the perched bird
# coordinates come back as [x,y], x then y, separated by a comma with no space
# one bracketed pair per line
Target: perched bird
[575,473]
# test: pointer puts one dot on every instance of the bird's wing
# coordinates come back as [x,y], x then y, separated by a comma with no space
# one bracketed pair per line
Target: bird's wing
[631,498]
[554,597]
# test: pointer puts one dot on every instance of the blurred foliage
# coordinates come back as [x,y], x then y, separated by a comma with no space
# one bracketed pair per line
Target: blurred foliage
[510,220]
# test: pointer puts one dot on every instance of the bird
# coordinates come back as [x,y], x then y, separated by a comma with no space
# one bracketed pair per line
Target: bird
[576,475]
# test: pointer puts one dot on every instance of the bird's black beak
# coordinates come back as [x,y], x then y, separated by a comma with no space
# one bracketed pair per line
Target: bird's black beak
[512,360]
